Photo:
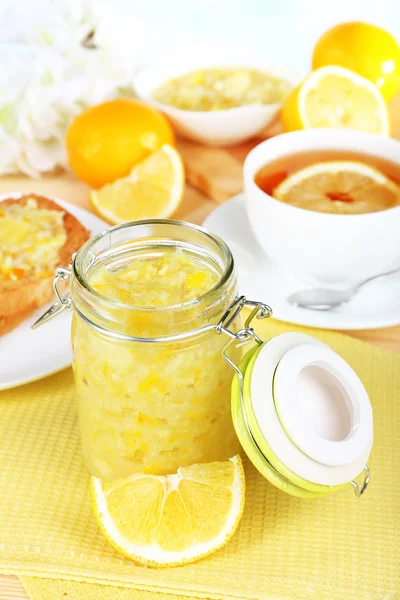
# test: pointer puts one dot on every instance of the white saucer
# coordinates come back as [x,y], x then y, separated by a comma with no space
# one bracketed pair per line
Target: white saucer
[376,305]
[27,355]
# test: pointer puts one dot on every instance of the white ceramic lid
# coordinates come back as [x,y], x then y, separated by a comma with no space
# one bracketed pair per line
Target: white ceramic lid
[275,434]
[322,405]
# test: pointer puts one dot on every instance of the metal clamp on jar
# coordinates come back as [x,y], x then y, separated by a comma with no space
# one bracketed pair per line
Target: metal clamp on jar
[154,383]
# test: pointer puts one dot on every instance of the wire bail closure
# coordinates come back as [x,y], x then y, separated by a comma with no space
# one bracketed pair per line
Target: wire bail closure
[243,337]
[63,302]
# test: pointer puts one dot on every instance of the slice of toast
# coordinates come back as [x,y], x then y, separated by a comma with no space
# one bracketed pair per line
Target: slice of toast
[21,297]
[11,321]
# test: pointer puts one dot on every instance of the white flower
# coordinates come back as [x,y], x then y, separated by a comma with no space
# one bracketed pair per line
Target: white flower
[57,57]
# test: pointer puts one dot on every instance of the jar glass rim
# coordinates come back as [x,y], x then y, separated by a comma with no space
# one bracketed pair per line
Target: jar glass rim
[222,246]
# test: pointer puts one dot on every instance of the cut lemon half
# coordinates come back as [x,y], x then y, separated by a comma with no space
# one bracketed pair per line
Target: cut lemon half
[337,98]
[170,520]
[342,187]
[346,45]
[153,190]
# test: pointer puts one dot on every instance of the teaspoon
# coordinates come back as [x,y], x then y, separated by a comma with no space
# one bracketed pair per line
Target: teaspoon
[324,299]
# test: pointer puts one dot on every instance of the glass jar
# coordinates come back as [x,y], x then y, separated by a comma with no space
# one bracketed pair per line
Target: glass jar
[154,378]
[153,389]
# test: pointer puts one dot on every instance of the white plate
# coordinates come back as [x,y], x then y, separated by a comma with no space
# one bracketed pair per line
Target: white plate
[27,355]
[376,305]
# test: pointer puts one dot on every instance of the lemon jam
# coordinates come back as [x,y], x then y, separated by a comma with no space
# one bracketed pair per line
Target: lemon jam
[30,239]
[221,89]
[163,279]
[150,404]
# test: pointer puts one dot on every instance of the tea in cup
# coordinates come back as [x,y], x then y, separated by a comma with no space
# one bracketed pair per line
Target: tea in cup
[346,183]
[325,204]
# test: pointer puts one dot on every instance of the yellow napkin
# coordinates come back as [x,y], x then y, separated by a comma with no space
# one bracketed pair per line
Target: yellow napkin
[56,589]
[332,548]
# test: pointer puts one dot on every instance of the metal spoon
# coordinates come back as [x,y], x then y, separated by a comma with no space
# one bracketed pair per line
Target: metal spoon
[323,299]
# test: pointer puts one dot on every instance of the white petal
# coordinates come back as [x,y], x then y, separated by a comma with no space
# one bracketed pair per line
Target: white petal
[9,151]
[48,76]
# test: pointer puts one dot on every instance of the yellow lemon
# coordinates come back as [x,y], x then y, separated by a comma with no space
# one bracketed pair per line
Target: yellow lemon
[336,98]
[342,187]
[365,49]
[163,521]
[153,189]
[105,141]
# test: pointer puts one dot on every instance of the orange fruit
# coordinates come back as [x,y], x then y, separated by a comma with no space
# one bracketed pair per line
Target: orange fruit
[336,98]
[105,141]
[365,49]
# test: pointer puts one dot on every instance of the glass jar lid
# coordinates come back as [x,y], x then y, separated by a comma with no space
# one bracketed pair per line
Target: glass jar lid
[302,416]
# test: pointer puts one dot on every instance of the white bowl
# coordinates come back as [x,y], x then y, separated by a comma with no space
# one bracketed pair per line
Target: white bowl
[336,251]
[224,127]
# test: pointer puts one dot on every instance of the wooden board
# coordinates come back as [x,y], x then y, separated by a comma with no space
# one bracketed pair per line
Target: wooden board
[11,588]
[214,175]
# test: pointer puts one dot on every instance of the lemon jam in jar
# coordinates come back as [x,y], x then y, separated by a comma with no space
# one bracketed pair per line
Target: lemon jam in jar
[153,389]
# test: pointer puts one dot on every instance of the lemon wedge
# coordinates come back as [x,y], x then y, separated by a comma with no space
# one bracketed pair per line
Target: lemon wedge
[343,187]
[164,521]
[335,97]
[153,190]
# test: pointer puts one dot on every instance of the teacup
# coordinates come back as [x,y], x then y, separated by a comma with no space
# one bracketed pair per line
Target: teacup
[333,250]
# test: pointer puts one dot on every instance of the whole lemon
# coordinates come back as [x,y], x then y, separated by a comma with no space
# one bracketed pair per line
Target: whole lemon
[105,141]
[365,49]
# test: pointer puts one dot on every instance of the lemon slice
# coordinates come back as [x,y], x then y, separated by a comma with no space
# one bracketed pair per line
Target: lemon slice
[153,189]
[335,97]
[343,187]
[163,521]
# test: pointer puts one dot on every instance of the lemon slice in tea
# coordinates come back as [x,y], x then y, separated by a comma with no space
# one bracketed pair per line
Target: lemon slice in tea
[342,187]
